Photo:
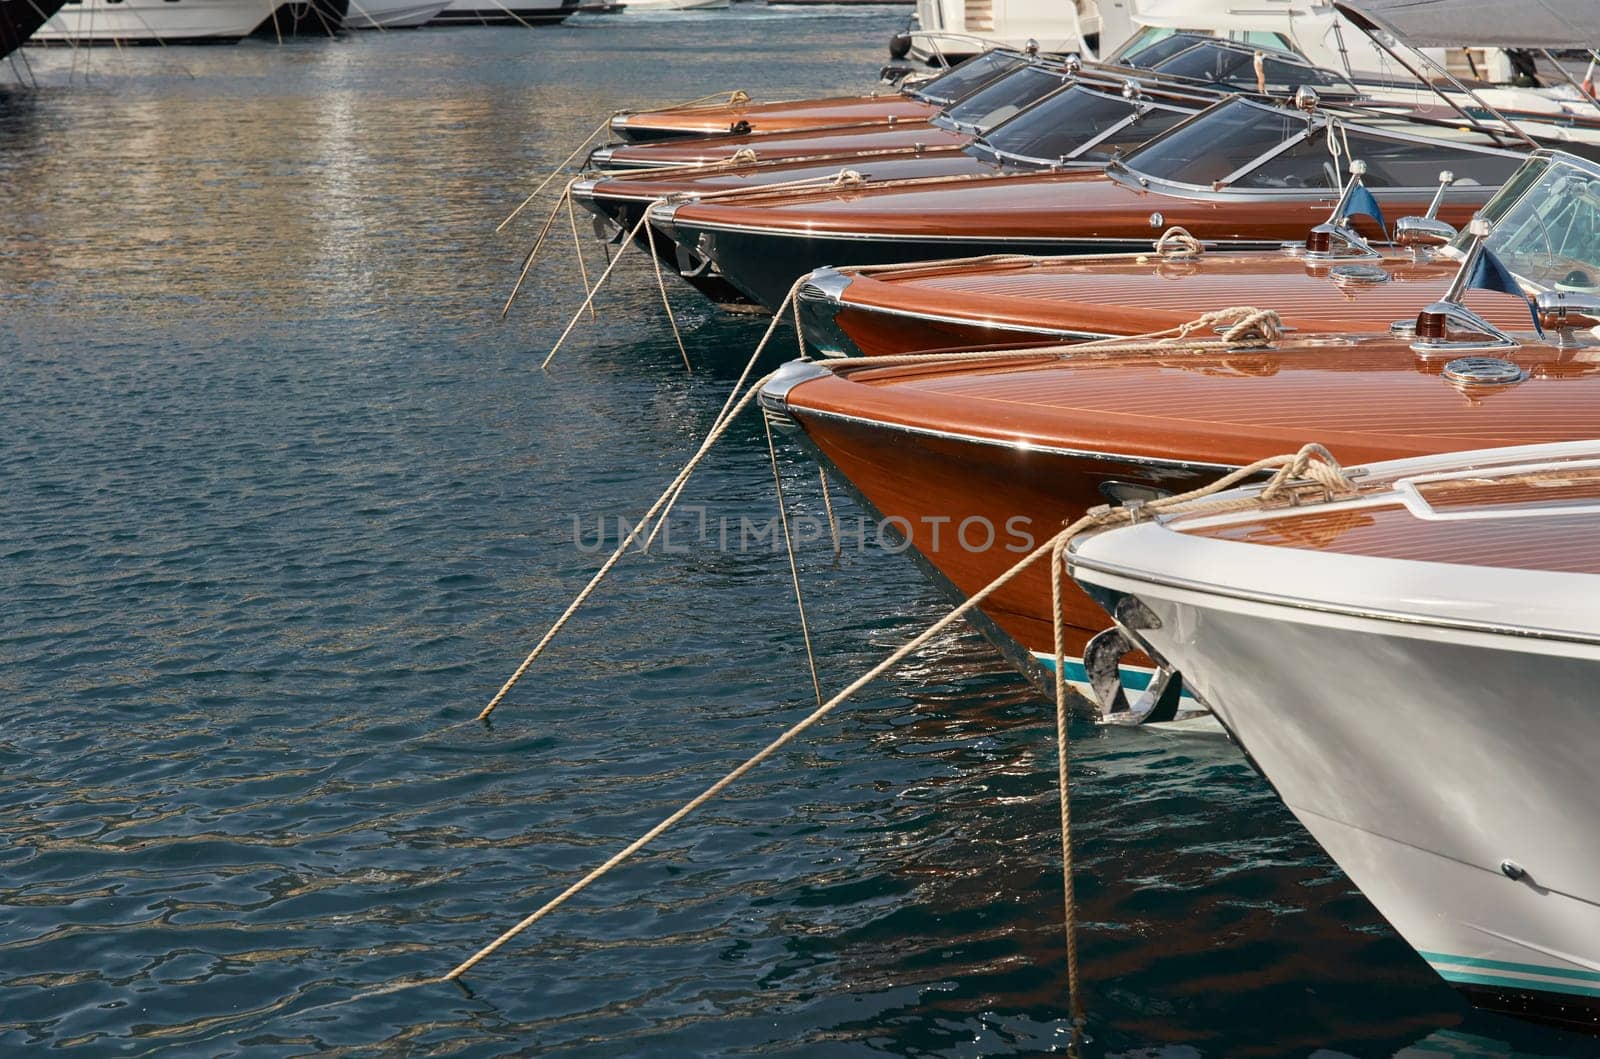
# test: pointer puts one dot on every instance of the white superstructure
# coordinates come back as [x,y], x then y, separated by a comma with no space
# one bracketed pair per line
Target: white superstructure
[154,21]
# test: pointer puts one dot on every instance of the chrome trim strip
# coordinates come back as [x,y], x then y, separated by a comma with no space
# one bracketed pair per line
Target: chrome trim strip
[774,396]
[1020,444]
[1297,603]
[824,284]
[1272,152]
[993,325]
[667,215]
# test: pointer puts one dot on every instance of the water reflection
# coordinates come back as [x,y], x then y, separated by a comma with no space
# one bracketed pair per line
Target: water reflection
[283,501]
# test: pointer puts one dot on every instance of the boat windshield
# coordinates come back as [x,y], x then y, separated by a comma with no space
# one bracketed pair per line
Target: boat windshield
[1547,226]
[1220,64]
[965,78]
[1081,123]
[1216,143]
[1243,144]
[994,103]
[1148,54]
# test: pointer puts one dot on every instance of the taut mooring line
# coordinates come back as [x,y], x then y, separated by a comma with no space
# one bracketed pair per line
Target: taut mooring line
[633,535]
[1311,467]
[794,567]
[732,98]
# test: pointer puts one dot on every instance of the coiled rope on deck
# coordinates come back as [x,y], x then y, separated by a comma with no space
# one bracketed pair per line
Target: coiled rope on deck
[1311,467]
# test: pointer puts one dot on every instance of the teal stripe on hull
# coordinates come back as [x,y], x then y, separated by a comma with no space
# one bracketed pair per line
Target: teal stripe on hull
[1132,679]
[1508,965]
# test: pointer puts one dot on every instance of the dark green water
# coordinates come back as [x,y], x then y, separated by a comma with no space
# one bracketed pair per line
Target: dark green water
[281,504]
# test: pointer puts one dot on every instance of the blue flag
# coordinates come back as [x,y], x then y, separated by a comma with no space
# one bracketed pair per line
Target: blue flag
[1490,273]
[1361,201]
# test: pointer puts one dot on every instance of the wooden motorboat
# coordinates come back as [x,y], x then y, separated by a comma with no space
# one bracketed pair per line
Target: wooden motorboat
[1242,174]
[1347,287]
[1197,66]
[1411,663]
[917,102]
[976,463]
[1079,125]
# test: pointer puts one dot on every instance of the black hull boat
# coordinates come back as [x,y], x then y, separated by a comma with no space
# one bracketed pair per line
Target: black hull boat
[19,19]
[304,18]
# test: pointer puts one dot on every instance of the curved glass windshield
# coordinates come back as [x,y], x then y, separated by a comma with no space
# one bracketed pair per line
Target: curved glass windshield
[994,103]
[1216,143]
[966,77]
[1062,126]
[1152,45]
[1391,163]
[1236,67]
[1547,226]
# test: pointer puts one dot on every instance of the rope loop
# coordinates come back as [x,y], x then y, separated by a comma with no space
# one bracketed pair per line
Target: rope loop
[1315,464]
[1177,242]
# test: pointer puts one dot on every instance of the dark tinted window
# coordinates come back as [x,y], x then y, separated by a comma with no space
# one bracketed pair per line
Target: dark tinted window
[1234,67]
[1403,164]
[1065,122]
[1150,124]
[995,103]
[966,77]
[1216,142]
[1147,55]
[1390,164]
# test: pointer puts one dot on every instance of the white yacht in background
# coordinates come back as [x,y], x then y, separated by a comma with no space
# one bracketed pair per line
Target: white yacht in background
[507,13]
[392,14]
[154,21]
[676,5]
[947,31]
[1412,664]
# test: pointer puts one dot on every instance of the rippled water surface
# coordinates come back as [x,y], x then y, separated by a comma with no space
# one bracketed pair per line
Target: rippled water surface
[281,504]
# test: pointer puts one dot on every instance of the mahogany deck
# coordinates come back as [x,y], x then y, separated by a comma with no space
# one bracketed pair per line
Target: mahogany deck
[956,307]
[811,143]
[1563,542]
[779,117]
[645,186]
[936,445]
[1048,205]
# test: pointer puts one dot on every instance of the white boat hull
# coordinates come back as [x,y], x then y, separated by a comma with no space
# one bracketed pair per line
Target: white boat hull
[507,13]
[392,14]
[155,21]
[676,5]
[1422,757]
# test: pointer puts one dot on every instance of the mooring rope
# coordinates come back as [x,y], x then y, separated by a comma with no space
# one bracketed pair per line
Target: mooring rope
[661,283]
[1237,325]
[527,262]
[1177,242]
[738,399]
[827,504]
[843,178]
[1069,920]
[794,567]
[755,355]
[577,250]
[1312,465]
[733,98]
[1239,320]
